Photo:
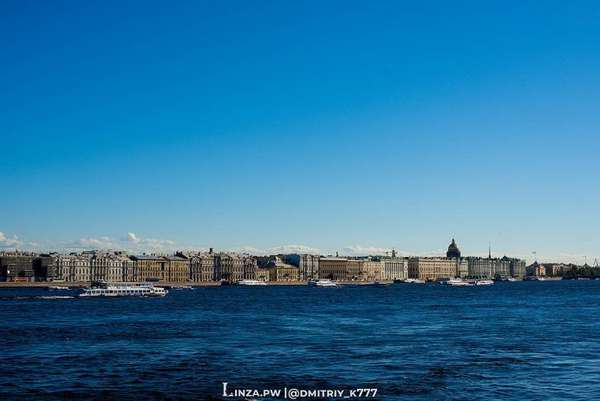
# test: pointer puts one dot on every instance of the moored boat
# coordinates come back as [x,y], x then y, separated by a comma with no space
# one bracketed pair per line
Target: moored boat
[458,282]
[484,282]
[251,282]
[414,281]
[323,283]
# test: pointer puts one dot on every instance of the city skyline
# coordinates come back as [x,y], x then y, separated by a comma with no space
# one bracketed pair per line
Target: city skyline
[136,245]
[338,126]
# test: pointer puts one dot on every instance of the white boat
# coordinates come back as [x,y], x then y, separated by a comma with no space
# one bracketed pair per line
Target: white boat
[251,282]
[414,281]
[58,287]
[458,282]
[125,290]
[511,279]
[323,283]
[484,282]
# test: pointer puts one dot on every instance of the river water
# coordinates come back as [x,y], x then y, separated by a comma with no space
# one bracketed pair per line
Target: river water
[510,341]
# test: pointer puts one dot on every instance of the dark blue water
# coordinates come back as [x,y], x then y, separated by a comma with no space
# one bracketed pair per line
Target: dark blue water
[528,340]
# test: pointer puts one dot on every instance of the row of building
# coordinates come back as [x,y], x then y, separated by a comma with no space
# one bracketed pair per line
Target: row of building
[210,266]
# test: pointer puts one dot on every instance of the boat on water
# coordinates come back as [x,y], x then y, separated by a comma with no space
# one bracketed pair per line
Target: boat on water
[414,281]
[58,287]
[322,283]
[124,290]
[484,282]
[251,282]
[458,282]
[511,279]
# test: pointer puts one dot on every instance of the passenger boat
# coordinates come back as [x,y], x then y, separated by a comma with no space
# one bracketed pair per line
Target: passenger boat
[484,282]
[251,282]
[458,282]
[323,283]
[414,281]
[125,290]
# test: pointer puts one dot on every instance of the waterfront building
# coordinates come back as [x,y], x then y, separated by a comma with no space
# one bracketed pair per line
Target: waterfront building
[555,269]
[17,266]
[283,272]
[488,267]
[394,269]
[176,269]
[75,267]
[45,268]
[536,269]
[130,270]
[344,269]
[107,266]
[307,264]
[548,269]
[516,266]
[370,270]
[433,268]
[202,267]
[262,274]
[278,269]
[249,266]
[229,267]
[148,267]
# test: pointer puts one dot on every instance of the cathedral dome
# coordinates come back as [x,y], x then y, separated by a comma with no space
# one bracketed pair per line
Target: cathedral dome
[453,251]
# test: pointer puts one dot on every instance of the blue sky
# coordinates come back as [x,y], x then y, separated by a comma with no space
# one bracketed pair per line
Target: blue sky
[349,126]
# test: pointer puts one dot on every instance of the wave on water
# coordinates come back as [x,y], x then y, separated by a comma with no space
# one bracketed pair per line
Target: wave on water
[21,298]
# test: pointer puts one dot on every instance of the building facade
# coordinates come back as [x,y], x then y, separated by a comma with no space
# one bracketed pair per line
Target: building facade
[229,267]
[75,267]
[202,267]
[394,269]
[516,266]
[249,265]
[432,269]
[17,267]
[262,274]
[149,267]
[177,269]
[370,270]
[307,264]
[108,267]
[488,267]
[283,273]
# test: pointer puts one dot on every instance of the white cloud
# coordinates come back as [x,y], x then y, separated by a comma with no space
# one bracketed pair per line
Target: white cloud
[249,249]
[137,243]
[95,243]
[360,250]
[9,242]
[294,249]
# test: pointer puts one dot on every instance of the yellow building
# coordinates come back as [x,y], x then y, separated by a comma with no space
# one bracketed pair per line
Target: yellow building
[149,267]
[342,269]
[283,273]
[177,269]
[433,268]
[370,270]
[262,274]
